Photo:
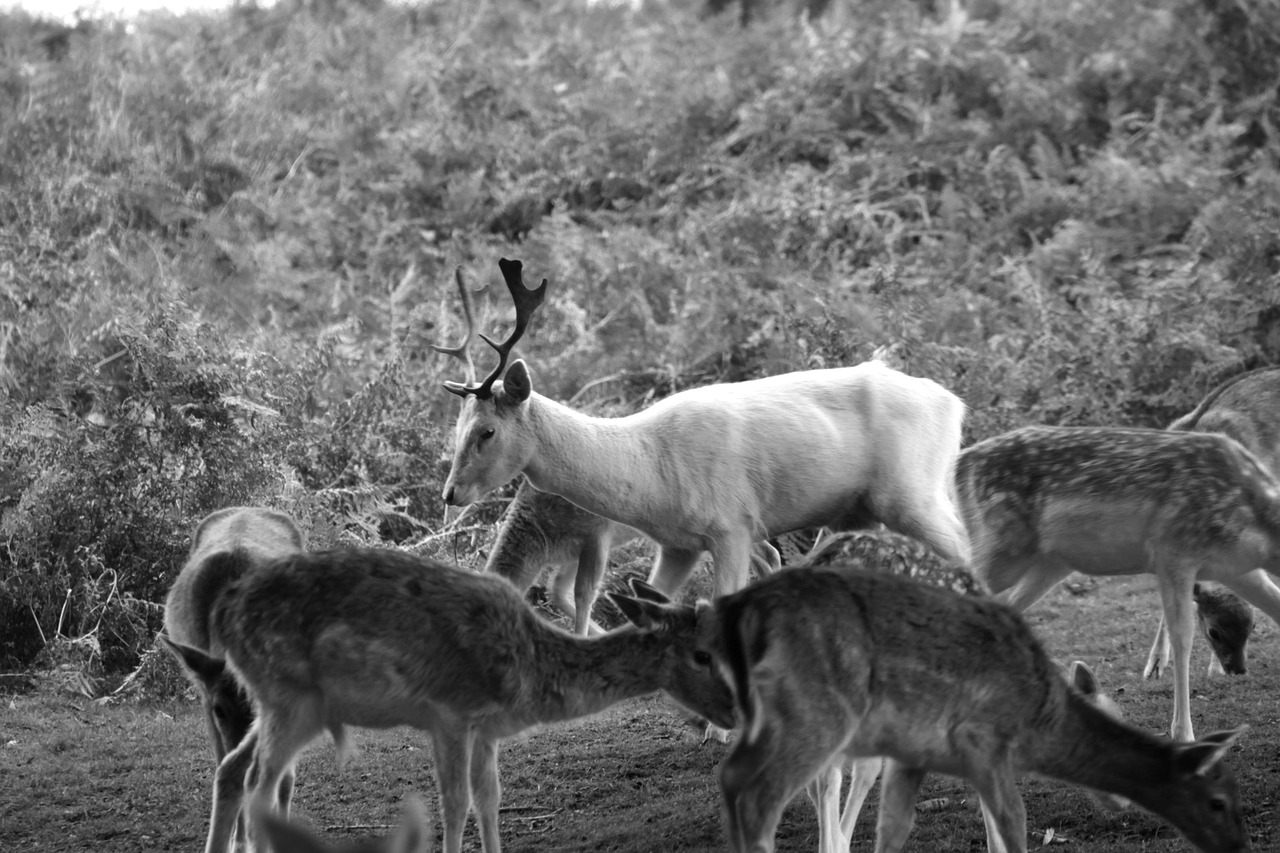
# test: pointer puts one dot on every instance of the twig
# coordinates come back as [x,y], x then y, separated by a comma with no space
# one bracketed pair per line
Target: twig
[338,827]
[443,533]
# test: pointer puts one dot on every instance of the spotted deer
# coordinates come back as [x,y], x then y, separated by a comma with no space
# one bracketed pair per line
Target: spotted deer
[224,544]
[1042,502]
[890,553]
[1246,408]
[540,529]
[720,467]
[379,638]
[415,834]
[837,664]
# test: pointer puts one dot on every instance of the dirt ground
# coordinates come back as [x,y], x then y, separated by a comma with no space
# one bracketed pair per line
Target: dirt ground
[79,776]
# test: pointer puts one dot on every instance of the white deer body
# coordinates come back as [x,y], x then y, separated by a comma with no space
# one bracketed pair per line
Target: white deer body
[1041,502]
[839,664]
[377,638]
[719,467]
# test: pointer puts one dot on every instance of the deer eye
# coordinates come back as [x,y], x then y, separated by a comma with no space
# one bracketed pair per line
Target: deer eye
[702,658]
[1215,634]
[1218,804]
[486,434]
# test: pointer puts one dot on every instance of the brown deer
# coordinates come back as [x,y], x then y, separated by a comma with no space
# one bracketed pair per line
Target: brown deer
[379,638]
[1042,502]
[839,664]
[890,553]
[224,545]
[720,467]
[1246,408]
[540,529]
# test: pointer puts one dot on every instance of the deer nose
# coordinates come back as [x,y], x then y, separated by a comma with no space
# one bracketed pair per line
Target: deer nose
[449,494]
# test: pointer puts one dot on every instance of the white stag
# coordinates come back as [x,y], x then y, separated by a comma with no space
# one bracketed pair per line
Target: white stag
[719,467]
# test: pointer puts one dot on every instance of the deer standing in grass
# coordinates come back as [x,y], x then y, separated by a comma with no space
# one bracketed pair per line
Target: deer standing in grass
[541,529]
[838,664]
[224,545]
[720,467]
[1042,502]
[379,638]
[892,554]
[1246,408]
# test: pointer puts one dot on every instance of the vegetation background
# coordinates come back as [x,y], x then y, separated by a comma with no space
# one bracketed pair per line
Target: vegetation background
[226,241]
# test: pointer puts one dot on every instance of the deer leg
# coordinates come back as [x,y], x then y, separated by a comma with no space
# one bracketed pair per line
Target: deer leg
[281,736]
[672,568]
[1003,811]
[593,560]
[862,776]
[452,750]
[1180,622]
[898,791]
[1158,659]
[228,794]
[1040,577]
[937,524]
[824,790]
[732,557]
[486,790]
[756,790]
[1259,589]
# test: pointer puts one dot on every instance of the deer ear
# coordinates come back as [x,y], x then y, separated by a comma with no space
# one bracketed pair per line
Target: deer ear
[641,589]
[517,385]
[1082,678]
[198,663]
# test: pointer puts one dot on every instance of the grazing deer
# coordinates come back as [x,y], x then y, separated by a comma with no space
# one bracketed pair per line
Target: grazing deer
[1246,408]
[379,638]
[836,664]
[719,467]
[541,529]
[415,834]
[224,545]
[892,554]
[1041,502]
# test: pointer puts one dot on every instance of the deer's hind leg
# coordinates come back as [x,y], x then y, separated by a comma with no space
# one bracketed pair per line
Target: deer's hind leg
[1003,811]
[898,790]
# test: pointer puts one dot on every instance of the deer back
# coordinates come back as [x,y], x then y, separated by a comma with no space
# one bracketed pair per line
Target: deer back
[382,638]
[1035,488]
[256,534]
[1246,408]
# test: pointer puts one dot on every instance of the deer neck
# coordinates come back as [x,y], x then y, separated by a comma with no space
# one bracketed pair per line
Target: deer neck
[574,676]
[1090,748]
[604,465]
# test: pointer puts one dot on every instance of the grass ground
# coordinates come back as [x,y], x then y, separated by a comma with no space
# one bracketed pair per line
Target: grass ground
[75,776]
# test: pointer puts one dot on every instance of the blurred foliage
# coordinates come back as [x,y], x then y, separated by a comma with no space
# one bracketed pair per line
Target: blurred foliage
[227,239]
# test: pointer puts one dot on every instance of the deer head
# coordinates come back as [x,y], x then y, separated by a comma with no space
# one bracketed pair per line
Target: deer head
[487,436]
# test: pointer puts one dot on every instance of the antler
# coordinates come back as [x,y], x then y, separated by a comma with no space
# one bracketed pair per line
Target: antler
[526,302]
[461,350]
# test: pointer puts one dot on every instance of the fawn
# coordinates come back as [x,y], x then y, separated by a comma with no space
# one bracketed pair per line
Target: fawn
[225,543]
[838,663]
[415,834]
[890,553]
[1245,408]
[379,638]
[1041,502]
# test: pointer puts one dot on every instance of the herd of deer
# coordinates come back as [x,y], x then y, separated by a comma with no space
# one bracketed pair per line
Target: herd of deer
[899,650]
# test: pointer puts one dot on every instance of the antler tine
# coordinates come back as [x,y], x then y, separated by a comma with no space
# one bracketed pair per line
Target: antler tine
[526,302]
[461,351]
